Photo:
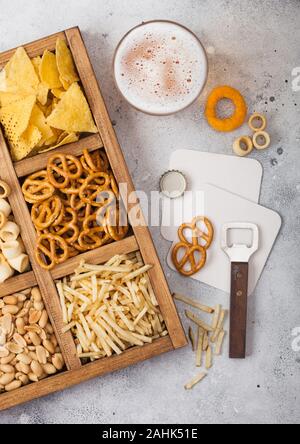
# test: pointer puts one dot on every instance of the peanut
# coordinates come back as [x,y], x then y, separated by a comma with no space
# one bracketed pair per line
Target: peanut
[29,351]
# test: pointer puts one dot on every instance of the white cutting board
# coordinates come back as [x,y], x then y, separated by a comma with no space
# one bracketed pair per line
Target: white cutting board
[235,174]
[222,207]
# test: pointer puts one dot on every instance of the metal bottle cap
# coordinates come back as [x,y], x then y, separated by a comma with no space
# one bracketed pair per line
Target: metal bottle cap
[173,184]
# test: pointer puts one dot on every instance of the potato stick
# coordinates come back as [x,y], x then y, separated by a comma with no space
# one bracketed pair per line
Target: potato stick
[70,312]
[109,268]
[136,273]
[193,303]
[199,347]
[195,381]
[133,295]
[85,326]
[192,338]
[208,358]
[102,339]
[142,338]
[95,288]
[205,341]
[151,291]
[85,340]
[219,326]
[126,335]
[91,355]
[102,334]
[68,327]
[128,323]
[132,341]
[140,316]
[218,349]
[164,333]
[198,321]
[111,333]
[216,316]
[77,294]
[62,302]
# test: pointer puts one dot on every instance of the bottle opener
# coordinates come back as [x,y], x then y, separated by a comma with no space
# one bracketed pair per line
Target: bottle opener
[239,255]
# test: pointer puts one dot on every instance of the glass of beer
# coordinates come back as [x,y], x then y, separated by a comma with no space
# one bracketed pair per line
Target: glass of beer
[160,67]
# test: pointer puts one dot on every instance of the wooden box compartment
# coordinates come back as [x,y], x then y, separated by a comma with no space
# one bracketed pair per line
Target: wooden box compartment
[140,240]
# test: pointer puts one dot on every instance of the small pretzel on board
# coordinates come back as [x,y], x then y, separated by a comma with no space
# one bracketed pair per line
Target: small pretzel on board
[189,257]
[197,232]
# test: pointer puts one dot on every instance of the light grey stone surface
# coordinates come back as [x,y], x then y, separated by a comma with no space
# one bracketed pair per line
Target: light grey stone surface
[254,46]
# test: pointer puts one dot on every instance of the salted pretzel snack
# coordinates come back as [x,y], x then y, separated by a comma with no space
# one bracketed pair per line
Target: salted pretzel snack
[36,187]
[196,232]
[189,257]
[51,250]
[195,246]
[67,199]
[62,168]
[46,213]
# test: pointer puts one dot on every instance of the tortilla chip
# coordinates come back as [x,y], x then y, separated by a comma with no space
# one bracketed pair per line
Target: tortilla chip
[39,120]
[58,92]
[48,71]
[66,85]
[72,113]
[70,138]
[6,98]
[65,63]
[42,93]
[25,144]
[36,61]
[21,74]
[15,117]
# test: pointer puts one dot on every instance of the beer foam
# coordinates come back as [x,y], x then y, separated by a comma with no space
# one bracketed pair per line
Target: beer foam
[160,67]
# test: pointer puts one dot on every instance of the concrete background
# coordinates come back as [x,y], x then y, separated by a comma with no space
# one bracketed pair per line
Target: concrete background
[254,46]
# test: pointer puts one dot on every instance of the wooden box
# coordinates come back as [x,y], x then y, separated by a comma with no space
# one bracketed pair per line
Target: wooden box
[141,240]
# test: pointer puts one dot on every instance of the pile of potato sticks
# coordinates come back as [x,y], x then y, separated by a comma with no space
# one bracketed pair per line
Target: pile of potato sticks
[209,338]
[110,308]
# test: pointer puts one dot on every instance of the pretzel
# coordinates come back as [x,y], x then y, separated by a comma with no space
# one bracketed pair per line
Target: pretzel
[46,213]
[62,168]
[111,224]
[189,257]
[67,228]
[4,190]
[94,162]
[92,238]
[92,187]
[51,250]
[197,233]
[36,188]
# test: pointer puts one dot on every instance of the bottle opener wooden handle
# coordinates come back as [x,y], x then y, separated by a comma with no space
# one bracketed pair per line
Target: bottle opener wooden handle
[239,255]
[238,310]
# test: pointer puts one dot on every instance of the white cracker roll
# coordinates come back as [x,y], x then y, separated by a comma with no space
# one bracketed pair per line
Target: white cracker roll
[20,263]
[5,270]
[12,249]
[10,232]
[4,189]
[5,207]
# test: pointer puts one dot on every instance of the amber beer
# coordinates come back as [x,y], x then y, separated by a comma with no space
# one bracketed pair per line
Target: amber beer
[160,67]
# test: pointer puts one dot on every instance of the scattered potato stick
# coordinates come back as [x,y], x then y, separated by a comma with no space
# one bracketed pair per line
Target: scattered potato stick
[219,326]
[208,358]
[205,341]
[195,381]
[219,343]
[198,321]
[192,338]
[199,347]
[216,316]
[192,303]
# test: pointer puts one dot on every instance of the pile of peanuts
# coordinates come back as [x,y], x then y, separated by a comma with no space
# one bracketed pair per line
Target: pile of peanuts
[29,350]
